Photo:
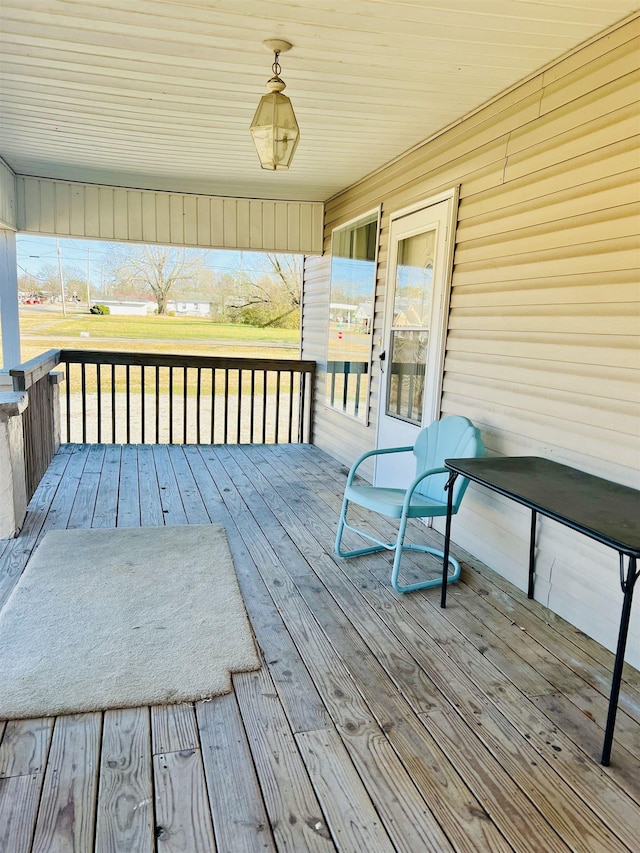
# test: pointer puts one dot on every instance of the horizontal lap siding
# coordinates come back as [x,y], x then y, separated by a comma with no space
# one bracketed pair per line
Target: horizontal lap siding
[543,344]
[141,216]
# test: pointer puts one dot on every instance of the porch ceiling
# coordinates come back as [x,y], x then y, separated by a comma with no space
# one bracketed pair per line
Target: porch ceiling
[159,94]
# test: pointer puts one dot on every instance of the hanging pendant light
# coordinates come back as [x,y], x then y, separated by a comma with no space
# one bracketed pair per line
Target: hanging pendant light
[274,127]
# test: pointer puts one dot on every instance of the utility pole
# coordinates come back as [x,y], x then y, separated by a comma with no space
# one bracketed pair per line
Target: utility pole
[64,304]
[88,278]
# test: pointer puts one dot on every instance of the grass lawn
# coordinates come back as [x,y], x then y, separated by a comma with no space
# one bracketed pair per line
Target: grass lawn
[152,328]
[44,329]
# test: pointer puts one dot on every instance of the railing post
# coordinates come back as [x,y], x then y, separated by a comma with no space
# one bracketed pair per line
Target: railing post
[13,483]
[56,378]
[311,403]
[41,420]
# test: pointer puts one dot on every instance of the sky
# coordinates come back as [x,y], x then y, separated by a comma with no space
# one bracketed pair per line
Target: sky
[34,253]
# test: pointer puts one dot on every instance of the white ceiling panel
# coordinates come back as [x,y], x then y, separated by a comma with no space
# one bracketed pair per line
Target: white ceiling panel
[159,94]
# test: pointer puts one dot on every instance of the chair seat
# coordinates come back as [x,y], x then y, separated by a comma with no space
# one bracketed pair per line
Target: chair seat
[389,502]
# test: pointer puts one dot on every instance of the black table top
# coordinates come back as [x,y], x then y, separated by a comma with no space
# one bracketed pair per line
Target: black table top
[605,511]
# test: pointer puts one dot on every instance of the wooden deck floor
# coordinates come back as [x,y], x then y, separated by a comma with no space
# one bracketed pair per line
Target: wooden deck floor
[377,723]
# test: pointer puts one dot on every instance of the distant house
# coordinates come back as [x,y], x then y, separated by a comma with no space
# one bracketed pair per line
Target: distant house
[189,307]
[127,307]
[341,312]
[364,315]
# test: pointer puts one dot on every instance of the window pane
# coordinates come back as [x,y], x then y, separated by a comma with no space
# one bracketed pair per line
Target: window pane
[406,374]
[353,279]
[414,280]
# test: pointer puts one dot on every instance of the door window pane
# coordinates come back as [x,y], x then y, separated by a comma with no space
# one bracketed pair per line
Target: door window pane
[414,281]
[410,331]
[406,374]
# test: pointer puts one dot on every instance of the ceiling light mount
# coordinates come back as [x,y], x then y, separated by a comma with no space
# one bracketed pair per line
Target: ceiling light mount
[277,45]
[274,127]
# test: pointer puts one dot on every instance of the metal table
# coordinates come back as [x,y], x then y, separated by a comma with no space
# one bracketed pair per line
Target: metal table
[602,510]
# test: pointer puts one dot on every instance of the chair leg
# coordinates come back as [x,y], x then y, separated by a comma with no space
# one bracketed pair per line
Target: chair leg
[341,522]
[398,555]
[371,549]
[400,547]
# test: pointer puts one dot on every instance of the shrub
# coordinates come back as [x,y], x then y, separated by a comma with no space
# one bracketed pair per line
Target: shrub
[100,309]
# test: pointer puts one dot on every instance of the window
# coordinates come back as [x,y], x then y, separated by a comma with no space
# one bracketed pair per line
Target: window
[351,301]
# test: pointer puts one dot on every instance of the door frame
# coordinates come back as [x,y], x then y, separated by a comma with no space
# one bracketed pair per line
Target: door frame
[438,336]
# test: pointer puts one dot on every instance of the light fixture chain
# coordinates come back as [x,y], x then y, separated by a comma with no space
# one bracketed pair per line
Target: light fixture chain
[276,68]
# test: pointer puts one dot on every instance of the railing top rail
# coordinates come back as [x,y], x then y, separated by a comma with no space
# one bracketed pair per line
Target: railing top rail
[28,373]
[142,359]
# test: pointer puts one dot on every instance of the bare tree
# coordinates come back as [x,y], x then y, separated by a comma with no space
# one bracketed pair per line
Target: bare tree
[288,270]
[272,299]
[157,268]
[47,283]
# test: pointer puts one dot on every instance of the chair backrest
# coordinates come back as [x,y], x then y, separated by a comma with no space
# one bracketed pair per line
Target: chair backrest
[453,437]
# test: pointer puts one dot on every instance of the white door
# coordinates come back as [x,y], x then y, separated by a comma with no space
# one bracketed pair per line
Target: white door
[417,307]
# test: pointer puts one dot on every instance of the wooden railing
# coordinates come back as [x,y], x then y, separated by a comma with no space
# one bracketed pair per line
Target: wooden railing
[41,418]
[145,397]
[119,397]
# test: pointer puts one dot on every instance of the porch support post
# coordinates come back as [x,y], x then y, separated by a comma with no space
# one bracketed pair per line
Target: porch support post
[9,314]
[13,484]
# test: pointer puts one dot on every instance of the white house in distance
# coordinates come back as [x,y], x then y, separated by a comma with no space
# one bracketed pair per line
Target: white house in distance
[127,308]
[189,307]
[513,141]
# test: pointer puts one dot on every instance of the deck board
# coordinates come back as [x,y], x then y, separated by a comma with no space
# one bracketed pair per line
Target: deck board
[352,819]
[296,815]
[106,506]
[239,814]
[24,747]
[66,817]
[183,814]
[129,491]
[378,722]
[87,491]
[19,796]
[125,816]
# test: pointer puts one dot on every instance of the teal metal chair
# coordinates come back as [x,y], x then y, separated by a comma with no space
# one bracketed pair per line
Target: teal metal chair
[426,496]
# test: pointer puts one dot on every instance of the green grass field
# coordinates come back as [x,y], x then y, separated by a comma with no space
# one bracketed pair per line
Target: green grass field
[43,329]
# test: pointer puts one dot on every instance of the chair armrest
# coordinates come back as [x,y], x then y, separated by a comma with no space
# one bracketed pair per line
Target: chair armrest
[416,482]
[378,452]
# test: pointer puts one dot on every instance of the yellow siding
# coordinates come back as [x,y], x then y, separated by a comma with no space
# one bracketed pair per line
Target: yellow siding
[210,222]
[7,197]
[543,347]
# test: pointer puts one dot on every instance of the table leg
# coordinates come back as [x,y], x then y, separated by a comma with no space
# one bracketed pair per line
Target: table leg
[447,538]
[627,588]
[532,553]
